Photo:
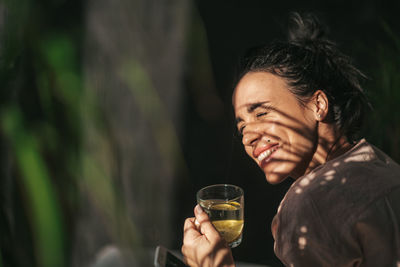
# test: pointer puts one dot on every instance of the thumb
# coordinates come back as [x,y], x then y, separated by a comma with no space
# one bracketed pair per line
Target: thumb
[206,227]
[200,215]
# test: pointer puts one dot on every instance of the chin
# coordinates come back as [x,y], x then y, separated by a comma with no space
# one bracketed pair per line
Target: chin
[275,178]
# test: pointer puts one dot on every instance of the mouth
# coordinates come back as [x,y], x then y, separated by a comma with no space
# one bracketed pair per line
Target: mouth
[266,155]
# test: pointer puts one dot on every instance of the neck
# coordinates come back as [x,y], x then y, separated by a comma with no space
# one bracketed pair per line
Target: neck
[339,148]
[329,147]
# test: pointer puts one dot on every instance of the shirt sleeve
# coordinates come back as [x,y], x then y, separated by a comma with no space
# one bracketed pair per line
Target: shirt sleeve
[307,235]
[377,230]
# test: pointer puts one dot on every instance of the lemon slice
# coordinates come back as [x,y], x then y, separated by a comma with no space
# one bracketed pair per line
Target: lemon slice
[230,230]
[233,205]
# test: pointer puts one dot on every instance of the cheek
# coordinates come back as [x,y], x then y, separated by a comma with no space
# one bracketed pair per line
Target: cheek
[277,130]
[297,138]
[249,151]
[301,129]
[302,146]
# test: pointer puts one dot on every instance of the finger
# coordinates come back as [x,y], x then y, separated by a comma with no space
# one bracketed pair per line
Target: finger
[184,253]
[189,223]
[197,224]
[206,227]
[190,262]
[201,216]
[190,232]
[189,255]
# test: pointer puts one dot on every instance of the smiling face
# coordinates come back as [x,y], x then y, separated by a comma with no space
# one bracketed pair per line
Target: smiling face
[278,132]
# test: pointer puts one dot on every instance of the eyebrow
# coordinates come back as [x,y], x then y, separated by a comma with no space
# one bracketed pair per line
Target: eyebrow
[250,108]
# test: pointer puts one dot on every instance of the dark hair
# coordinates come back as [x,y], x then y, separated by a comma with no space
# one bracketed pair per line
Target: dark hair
[309,62]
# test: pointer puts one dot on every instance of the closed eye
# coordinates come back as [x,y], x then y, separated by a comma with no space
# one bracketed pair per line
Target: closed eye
[261,114]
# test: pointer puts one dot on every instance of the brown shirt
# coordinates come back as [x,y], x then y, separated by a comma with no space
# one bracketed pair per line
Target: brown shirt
[343,213]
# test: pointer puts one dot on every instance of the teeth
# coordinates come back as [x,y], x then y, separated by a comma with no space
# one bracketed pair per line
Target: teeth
[265,154]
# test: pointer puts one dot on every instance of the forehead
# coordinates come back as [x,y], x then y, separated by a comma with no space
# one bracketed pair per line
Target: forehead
[257,87]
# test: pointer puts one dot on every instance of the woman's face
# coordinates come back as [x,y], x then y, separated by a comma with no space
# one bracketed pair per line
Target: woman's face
[279,133]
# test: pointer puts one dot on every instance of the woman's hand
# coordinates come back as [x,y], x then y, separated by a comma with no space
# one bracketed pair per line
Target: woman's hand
[202,244]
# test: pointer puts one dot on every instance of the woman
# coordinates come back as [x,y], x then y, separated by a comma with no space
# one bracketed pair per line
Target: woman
[298,106]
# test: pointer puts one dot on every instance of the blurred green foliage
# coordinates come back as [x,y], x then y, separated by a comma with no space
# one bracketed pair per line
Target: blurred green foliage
[44,208]
[41,125]
[56,141]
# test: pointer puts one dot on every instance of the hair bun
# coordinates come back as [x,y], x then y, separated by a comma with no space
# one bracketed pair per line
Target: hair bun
[304,28]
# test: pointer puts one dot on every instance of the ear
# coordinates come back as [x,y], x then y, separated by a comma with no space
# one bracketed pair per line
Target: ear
[320,105]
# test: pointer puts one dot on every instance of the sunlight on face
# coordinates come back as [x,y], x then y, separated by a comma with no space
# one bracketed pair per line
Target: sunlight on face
[278,132]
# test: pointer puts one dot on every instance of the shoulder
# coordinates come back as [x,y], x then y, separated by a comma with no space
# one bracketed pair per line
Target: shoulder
[356,178]
[324,213]
[324,210]
[336,193]
[312,234]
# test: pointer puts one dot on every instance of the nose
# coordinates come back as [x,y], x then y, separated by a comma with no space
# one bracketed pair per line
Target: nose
[251,135]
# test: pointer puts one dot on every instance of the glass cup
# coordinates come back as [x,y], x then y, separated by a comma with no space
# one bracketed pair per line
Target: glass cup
[224,204]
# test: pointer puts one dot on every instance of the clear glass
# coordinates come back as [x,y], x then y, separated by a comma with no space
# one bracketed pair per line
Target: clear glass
[224,204]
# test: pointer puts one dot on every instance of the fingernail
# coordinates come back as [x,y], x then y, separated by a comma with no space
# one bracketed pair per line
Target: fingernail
[199,210]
